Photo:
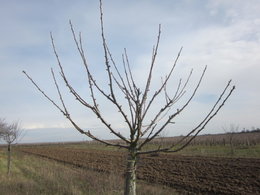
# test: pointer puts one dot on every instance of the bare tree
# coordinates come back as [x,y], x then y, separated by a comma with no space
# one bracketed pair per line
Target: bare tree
[233,129]
[137,105]
[10,134]
[3,125]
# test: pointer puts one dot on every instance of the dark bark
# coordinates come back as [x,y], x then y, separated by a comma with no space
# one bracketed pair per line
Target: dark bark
[8,158]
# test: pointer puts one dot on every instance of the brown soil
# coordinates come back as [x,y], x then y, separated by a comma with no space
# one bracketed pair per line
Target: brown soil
[205,175]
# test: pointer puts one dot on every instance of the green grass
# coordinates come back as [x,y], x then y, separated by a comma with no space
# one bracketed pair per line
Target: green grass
[35,175]
[218,150]
[222,151]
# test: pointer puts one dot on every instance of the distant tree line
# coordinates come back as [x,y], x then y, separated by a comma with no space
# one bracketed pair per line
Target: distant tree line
[244,138]
[253,130]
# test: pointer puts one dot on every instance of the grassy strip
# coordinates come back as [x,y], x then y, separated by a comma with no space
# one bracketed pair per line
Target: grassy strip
[223,151]
[217,150]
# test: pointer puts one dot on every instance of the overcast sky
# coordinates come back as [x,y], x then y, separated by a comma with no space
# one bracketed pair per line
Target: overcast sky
[222,34]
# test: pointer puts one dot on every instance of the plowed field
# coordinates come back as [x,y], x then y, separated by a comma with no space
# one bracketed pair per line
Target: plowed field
[204,175]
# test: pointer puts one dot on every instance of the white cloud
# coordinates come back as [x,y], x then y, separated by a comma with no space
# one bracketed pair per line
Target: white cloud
[222,34]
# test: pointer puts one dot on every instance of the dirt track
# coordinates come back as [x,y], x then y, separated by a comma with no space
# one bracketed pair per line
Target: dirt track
[204,175]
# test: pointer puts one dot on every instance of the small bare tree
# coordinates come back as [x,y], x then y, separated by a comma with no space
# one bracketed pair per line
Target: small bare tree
[233,129]
[10,134]
[137,101]
[2,127]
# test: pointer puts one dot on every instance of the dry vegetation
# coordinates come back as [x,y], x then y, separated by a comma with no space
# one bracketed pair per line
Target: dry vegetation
[207,166]
[91,168]
[34,175]
[185,173]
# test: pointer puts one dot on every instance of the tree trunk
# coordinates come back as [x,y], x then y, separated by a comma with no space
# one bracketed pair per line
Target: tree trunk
[130,179]
[231,144]
[8,158]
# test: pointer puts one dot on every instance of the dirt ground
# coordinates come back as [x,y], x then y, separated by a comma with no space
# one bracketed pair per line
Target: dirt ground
[194,175]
